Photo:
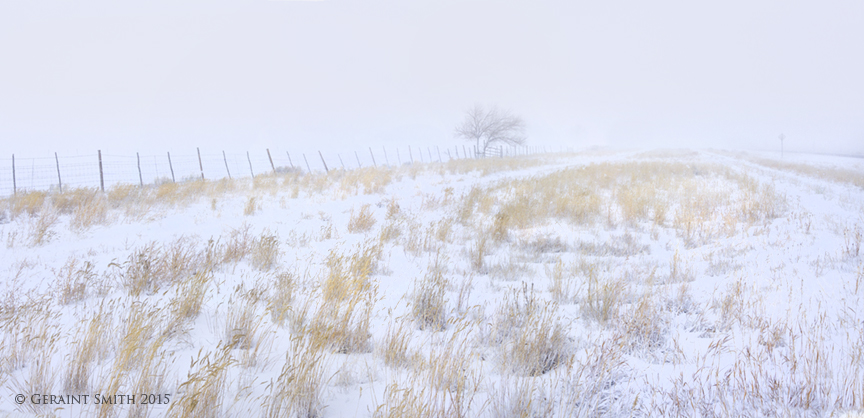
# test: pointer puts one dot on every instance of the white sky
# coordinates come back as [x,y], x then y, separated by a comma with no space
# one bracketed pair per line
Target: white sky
[158,76]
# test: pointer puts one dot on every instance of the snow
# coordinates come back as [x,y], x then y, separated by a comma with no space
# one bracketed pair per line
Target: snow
[799,309]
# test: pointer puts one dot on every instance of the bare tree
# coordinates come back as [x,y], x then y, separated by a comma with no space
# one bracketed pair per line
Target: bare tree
[490,126]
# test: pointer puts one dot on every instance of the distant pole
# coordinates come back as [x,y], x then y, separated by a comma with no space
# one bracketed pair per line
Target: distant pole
[386,160]
[464,153]
[224,158]
[358,160]
[250,164]
[307,163]
[289,159]
[200,166]
[140,178]
[323,162]
[420,153]
[271,161]
[410,154]
[101,176]
[449,157]
[398,157]
[430,153]
[14,182]
[171,166]
[59,181]
[373,157]
[340,161]
[782,137]
[438,150]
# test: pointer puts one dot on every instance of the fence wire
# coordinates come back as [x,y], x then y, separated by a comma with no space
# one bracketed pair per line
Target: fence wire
[83,171]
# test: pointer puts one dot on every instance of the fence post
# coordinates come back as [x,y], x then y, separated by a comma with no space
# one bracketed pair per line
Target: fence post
[271,161]
[410,154]
[373,157]
[438,150]
[200,166]
[464,153]
[358,160]
[224,158]
[250,165]
[171,166]
[101,176]
[289,159]
[449,157]
[140,178]
[429,150]
[59,181]
[420,153]
[327,170]
[340,161]
[307,163]
[14,182]
[398,157]
[386,160]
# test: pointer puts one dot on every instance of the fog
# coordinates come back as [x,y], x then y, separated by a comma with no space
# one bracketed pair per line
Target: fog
[235,75]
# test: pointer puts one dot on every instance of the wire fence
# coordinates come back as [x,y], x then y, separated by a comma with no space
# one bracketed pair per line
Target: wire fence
[98,170]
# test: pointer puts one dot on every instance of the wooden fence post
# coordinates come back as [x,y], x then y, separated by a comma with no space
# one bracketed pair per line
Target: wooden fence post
[14,182]
[438,150]
[171,166]
[358,160]
[386,160]
[101,176]
[340,161]
[449,157]
[140,178]
[327,170]
[464,153]
[224,158]
[429,150]
[373,157]
[59,181]
[398,157]
[250,164]
[307,163]
[271,161]
[289,159]
[410,154]
[200,166]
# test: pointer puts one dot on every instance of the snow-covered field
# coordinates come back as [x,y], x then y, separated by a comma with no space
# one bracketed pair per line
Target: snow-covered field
[663,283]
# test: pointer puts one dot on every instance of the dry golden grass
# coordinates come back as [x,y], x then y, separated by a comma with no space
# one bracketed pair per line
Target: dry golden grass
[282,292]
[348,295]
[428,306]
[529,332]
[73,279]
[299,389]
[202,394]
[362,221]
[265,251]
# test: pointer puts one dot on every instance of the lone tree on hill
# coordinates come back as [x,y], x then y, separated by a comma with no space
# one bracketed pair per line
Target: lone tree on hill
[489,126]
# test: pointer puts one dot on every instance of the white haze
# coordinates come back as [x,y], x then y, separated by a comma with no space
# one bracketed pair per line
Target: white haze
[158,76]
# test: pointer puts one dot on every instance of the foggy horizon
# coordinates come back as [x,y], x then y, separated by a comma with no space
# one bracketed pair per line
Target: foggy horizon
[346,75]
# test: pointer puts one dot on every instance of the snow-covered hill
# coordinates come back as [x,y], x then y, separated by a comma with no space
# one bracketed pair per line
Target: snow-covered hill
[663,283]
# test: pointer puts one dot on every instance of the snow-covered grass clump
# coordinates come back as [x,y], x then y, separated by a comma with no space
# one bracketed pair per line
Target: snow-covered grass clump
[664,283]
